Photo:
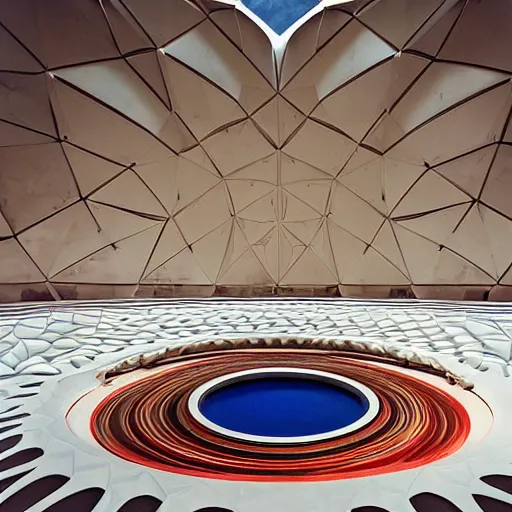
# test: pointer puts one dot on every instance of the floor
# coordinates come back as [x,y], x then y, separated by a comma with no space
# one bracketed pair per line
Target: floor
[50,355]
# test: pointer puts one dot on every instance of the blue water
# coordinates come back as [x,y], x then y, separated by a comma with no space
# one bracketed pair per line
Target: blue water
[282,407]
[280,14]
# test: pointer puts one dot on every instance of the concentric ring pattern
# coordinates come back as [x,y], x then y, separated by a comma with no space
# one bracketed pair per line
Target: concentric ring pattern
[148,422]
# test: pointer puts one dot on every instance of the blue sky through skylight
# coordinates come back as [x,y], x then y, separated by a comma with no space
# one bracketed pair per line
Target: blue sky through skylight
[280,14]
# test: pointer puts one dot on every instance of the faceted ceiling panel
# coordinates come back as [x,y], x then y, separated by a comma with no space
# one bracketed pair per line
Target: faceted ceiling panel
[180,142]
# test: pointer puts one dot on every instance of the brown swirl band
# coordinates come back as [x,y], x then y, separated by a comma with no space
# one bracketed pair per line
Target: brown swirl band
[148,422]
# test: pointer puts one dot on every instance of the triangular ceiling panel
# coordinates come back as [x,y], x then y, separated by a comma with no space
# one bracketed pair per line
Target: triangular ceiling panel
[431,192]
[456,132]
[387,245]
[63,239]
[305,40]
[24,101]
[398,178]
[198,156]
[160,177]
[227,21]
[384,134]
[472,241]
[290,250]
[265,170]
[347,250]
[128,192]
[246,270]
[147,66]
[355,6]
[397,21]
[35,182]
[128,34]
[5,230]
[369,183]
[209,53]
[257,47]
[90,171]
[508,131]
[308,270]
[359,158]
[266,248]
[482,36]
[498,187]
[176,181]
[249,38]
[237,146]
[469,171]
[309,145]
[16,266]
[82,25]
[12,135]
[278,119]
[74,233]
[499,236]
[292,209]
[180,269]
[99,129]
[304,230]
[344,203]
[333,20]
[314,193]
[170,243]
[213,249]
[263,210]
[116,224]
[437,226]
[203,106]
[166,19]
[428,263]
[122,262]
[254,231]
[374,269]
[431,37]
[322,247]
[245,192]
[14,56]
[204,214]
[294,171]
[115,84]
[346,56]
[380,181]
[506,280]
[357,106]
[439,88]
[235,245]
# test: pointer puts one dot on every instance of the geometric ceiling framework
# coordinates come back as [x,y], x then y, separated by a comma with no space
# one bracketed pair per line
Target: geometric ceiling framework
[180,142]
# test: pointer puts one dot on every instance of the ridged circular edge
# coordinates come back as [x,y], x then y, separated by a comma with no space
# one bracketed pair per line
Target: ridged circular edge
[362,391]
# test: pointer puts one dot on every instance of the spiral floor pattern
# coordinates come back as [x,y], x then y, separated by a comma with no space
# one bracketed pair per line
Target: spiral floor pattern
[148,422]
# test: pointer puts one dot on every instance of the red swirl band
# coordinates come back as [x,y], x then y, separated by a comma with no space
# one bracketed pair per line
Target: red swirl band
[148,422]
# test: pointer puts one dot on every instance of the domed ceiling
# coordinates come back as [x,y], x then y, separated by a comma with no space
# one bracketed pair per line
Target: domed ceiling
[178,142]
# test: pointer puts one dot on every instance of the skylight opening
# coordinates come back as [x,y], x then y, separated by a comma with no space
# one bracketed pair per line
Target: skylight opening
[280,15]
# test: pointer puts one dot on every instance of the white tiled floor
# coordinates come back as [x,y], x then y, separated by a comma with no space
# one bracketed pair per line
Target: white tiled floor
[64,345]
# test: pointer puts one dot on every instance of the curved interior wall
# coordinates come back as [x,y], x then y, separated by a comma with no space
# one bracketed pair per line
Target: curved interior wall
[178,147]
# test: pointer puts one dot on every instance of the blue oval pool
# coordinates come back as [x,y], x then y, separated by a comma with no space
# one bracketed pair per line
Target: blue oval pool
[282,407]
